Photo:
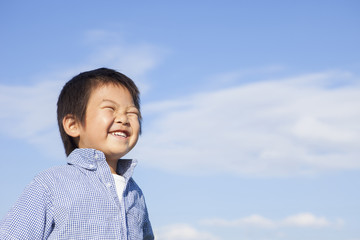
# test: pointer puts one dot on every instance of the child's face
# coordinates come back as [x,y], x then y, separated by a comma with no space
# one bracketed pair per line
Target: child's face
[111,122]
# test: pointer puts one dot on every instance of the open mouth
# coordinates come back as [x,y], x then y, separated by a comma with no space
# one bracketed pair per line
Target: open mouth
[123,134]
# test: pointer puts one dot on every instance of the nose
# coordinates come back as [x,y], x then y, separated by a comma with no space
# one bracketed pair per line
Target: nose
[122,118]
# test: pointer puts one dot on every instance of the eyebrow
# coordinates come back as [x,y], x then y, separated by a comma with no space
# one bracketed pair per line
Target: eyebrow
[108,100]
[115,103]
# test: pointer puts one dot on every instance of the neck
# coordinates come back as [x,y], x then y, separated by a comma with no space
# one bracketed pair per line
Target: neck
[113,165]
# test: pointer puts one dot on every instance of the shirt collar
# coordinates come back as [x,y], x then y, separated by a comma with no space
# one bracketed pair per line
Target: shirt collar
[90,158]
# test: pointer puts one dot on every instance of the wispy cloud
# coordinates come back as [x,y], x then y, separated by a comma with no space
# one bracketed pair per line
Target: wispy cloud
[252,220]
[182,232]
[133,59]
[301,220]
[309,220]
[294,126]
[284,127]
[250,227]
[244,76]
[28,112]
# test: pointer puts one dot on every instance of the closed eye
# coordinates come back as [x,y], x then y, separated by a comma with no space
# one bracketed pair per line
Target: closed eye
[109,108]
[133,110]
[133,113]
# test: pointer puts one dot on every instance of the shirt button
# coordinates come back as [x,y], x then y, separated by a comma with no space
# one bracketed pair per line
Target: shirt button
[96,156]
[91,166]
[108,185]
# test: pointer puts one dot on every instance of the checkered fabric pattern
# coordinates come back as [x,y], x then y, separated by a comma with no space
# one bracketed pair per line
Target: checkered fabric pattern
[79,201]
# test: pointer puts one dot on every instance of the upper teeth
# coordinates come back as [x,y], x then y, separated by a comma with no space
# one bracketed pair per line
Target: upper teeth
[119,134]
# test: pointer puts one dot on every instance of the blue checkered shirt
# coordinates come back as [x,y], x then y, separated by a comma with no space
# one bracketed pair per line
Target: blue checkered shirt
[79,201]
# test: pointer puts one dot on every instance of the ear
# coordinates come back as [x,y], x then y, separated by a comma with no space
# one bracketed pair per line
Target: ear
[71,126]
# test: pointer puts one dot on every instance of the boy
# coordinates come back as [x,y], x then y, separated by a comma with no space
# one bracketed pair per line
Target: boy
[94,195]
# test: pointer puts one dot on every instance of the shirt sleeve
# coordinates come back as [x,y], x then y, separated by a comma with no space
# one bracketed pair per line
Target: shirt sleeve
[147,229]
[139,226]
[30,217]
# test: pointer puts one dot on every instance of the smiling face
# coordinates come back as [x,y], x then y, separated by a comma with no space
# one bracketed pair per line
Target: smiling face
[111,122]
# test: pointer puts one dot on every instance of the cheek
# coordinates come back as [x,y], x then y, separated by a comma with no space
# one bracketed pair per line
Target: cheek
[99,122]
[103,117]
[135,125]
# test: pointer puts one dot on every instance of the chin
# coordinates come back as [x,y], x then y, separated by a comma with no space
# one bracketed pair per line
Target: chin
[117,156]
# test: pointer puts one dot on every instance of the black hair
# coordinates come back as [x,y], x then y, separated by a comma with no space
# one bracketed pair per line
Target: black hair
[75,95]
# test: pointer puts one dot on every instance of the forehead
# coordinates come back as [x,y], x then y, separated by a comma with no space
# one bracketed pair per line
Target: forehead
[113,91]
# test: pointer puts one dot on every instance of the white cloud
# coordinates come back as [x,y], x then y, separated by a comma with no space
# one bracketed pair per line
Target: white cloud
[252,220]
[245,75]
[294,126]
[302,220]
[134,60]
[182,232]
[28,112]
[306,220]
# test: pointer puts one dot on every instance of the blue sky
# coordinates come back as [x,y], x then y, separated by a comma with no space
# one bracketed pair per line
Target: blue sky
[251,108]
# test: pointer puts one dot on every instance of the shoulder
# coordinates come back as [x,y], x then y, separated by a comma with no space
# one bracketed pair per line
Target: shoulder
[133,186]
[134,192]
[56,174]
